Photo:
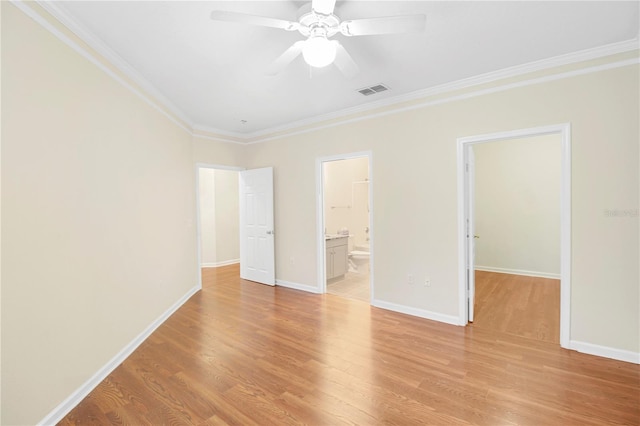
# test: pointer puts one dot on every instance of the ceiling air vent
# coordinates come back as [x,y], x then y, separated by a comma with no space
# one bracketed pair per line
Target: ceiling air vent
[371,90]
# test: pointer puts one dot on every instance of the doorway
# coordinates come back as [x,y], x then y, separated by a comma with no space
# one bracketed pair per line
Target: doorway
[468,231]
[217,219]
[517,236]
[345,231]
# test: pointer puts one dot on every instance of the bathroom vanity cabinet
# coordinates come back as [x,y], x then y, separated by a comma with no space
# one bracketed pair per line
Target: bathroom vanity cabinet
[336,256]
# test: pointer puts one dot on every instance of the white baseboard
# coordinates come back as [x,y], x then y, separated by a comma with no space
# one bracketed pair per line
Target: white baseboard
[218,264]
[518,272]
[79,394]
[605,351]
[296,286]
[422,313]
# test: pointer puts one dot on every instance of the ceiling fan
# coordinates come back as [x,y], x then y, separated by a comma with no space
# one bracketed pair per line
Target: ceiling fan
[320,24]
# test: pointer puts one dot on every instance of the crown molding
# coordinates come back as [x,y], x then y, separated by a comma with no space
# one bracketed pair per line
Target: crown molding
[454,98]
[218,134]
[149,93]
[73,44]
[491,77]
[112,58]
[130,72]
[218,139]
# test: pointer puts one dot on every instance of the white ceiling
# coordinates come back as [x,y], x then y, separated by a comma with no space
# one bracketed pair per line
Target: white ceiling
[213,72]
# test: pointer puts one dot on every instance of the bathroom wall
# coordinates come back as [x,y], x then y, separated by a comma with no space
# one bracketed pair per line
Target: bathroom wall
[347,198]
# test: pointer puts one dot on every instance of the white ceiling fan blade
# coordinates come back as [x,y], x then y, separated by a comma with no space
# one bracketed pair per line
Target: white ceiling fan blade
[345,62]
[222,15]
[386,25]
[324,7]
[285,59]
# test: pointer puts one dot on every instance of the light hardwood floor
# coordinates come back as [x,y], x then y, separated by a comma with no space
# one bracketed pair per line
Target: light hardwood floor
[243,353]
[515,304]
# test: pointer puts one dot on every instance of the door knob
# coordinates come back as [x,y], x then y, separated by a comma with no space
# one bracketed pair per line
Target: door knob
[270,233]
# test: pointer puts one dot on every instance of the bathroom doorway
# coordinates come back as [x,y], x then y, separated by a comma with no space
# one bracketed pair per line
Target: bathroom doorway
[346,237]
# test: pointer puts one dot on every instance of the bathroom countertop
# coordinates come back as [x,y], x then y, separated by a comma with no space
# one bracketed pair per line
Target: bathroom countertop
[334,236]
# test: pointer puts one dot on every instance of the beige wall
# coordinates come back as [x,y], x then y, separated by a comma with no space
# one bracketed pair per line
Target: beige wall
[211,152]
[219,217]
[227,216]
[98,214]
[517,205]
[415,195]
[207,193]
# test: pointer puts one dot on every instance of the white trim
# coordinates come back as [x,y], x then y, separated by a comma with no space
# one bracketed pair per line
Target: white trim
[201,128]
[605,351]
[219,167]
[297,286]
[320,235]
[219,264]
[416,312]
[564,130]
[518,272]
[565,236]
[79,394]
[218,139]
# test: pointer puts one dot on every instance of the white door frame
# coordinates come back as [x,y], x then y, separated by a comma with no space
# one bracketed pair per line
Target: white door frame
[198,230]
[471,231]
[463,144]
[320,240]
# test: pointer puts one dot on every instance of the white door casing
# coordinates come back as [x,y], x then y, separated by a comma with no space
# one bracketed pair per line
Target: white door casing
[322,260]
[257,249]
[471,245]
[464,146]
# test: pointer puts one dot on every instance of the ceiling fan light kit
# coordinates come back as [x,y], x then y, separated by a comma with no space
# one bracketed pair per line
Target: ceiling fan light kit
[319,51]
[320,24]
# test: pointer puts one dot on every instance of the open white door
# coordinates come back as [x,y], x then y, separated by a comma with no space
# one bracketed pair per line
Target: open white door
[257,259]
[471,245]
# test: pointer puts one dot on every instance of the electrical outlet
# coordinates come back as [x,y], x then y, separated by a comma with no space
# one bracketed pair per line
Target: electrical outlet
[292,260]
[427,282]
[410,280]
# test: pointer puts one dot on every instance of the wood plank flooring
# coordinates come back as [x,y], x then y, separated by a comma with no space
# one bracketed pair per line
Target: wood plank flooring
[515,304]
[242,353]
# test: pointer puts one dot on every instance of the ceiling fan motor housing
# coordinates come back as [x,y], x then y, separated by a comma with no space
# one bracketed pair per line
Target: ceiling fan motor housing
[316,24]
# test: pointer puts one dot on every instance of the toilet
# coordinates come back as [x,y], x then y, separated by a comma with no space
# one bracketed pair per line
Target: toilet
[359,260]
